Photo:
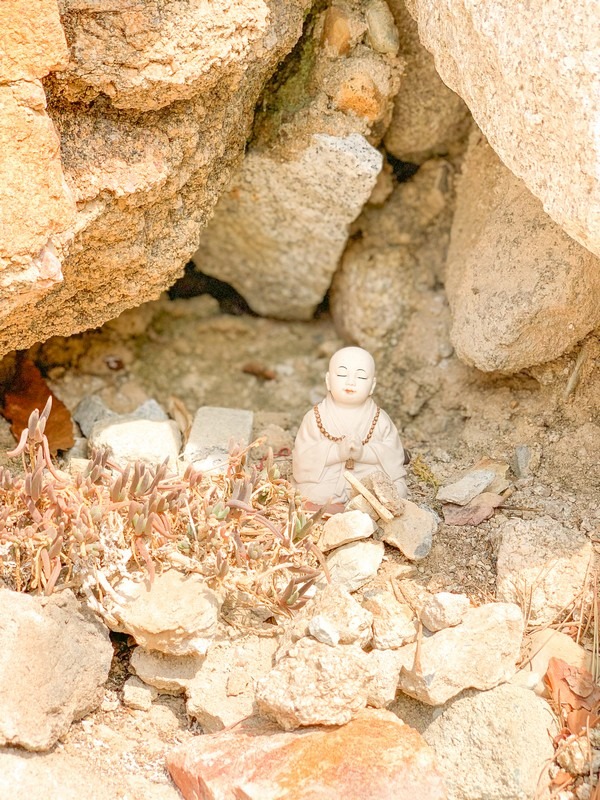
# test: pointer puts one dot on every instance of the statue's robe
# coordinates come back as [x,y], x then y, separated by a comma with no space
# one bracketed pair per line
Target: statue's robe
[319,481]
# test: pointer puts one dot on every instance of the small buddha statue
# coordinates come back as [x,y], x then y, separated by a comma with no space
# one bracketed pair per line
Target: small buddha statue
[346,431]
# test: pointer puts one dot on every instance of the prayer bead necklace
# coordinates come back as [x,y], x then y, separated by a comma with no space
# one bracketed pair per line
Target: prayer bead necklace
[350,462]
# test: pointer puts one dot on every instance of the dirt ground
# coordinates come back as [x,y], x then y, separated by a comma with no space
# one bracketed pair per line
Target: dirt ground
[450,416]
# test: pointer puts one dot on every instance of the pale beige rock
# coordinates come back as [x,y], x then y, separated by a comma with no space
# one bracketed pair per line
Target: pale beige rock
[144,185]
[394,623]
[387,271]
[223,690]
[354,564]
[30,47]
[542,566]
[386,666]
[138,695]
[480,653]
[315,684]
[468,487]
[138,440]
[521,291]
[444,610]
[347,527]
[541,116]
[412,533]
[359,503]
[278,233]
[158,55]
[352,622]
[176,614]
[41,643]
[169,674]
[429,118]
[494,744]
[543,645]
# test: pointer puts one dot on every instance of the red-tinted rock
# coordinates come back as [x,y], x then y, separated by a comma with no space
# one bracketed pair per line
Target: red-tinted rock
[374,756]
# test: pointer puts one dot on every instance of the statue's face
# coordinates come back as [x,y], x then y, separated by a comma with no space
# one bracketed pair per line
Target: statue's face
[351,376]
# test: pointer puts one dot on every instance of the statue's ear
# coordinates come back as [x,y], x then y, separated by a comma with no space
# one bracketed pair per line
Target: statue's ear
[327,381]
[373,386]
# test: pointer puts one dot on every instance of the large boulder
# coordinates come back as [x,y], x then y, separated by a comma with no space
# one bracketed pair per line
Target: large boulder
[37,206]
[54,659]
[279,232]
[521,291]
[429,118]
[153,107]
[529,73]
[375,755]
[493,745]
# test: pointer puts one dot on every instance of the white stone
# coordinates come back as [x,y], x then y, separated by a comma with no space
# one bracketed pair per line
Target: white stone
[321,629]
[176,614]
[355,564]
[444,610]
[169,674]
[315,684]
[138,695]
[212,432]
[222,692]
[279,232]
[479,653]
[463,491]
[412,533]
[347,527]
[342,613]
[394,623]
[521,291]
[385,666]
[542,566]
[493,745]
[89,411]
[54,659]
[541,117]
[138,440]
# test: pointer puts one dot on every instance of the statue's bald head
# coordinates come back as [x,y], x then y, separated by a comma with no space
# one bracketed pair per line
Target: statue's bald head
[351,376]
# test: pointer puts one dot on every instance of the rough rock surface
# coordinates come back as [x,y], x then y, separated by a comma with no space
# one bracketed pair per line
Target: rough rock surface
[54,658]
[480,653]
[352,565]
[429,118]
[412,533]
[130,440]
[521,291]
[444,610]
[541,61]
[278,233]
[144,176]
[37,206]
[24,776]
[347,527]
[138,695]
[176,614]
[335,604]
[222,692]
[493,745]
[169,674]
[363,758]
[338,678]
[542,566]
[386,666]
[396,258]
[394,623]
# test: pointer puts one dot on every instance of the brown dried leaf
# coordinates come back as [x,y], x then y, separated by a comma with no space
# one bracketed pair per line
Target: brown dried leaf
[581,719]
[178,410]
[564,682]
[580,681]
[479,509]
[562,779]
[29,391]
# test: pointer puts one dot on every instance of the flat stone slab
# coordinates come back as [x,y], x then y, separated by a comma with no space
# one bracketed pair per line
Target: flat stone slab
[212,431]
[463,491]
[375,755]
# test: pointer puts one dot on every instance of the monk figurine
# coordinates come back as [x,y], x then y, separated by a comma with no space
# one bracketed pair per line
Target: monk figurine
[346,431]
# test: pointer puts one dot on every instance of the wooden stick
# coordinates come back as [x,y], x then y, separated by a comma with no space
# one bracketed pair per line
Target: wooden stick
[369,496]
